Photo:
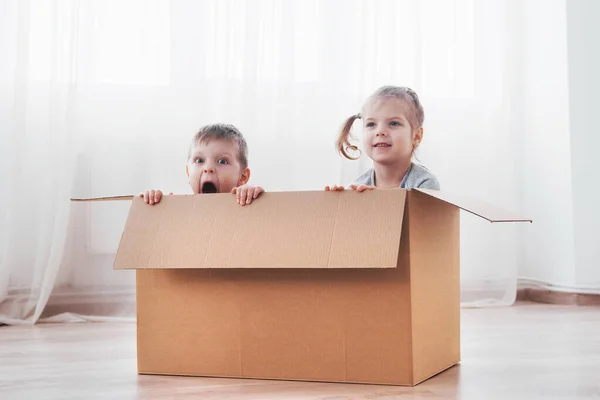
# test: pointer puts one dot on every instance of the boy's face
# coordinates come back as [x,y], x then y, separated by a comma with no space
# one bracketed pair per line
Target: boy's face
[214,167]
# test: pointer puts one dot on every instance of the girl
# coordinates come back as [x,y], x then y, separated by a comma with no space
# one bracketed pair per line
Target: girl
[392,131]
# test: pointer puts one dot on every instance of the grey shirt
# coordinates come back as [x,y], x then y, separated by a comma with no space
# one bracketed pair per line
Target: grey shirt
[417,176]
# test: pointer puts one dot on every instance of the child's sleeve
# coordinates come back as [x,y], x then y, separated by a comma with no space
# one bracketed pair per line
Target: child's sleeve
[430,183]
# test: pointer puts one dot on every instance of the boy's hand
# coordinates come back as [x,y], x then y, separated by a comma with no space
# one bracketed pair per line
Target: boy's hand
[246,193]
[362,188]
[152,196]
[334,188]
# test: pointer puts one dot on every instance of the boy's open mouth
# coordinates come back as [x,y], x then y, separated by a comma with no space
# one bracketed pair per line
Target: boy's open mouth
[382,145]
[208,187]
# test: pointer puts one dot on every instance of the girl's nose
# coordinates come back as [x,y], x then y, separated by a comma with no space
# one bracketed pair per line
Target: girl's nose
[381,132]
[209,168]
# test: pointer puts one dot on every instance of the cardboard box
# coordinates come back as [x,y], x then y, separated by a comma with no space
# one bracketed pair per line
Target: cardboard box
[318,286]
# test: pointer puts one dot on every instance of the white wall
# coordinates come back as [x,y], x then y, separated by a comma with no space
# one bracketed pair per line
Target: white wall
[583,44]
[547,246]
[560,138]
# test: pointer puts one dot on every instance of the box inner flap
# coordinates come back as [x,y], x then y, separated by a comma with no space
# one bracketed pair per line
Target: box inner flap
[106,198]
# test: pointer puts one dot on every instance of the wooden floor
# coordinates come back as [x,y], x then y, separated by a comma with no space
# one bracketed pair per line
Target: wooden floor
[529,351]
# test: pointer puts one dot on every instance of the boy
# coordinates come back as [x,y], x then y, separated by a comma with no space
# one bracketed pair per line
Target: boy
[217,163]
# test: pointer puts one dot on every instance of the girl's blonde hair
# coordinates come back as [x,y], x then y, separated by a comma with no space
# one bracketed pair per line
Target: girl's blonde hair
[416,116]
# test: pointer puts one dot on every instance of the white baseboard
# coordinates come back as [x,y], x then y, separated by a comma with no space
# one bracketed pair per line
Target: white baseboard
[99,302]
[531,283]
[120,300]
[75,295]
[94,302]
[92,295]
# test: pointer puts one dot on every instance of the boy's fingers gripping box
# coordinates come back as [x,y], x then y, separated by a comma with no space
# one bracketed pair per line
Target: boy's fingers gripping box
[319,286]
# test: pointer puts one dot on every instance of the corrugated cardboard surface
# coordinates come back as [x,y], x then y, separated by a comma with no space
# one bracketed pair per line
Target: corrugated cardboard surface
[311,324]
[434,230]
[278,230]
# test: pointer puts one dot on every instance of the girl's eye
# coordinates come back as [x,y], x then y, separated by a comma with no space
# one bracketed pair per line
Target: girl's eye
[223,161]
[370,124]
[199,160]
[395,123]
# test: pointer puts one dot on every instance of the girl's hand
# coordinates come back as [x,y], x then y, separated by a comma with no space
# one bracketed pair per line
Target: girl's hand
[152,196]
[334,188]
[246,193]
[362,188]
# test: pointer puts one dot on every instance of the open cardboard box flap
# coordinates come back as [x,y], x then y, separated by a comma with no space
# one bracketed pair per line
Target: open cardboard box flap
[279,230]
[477,207]
[312,229]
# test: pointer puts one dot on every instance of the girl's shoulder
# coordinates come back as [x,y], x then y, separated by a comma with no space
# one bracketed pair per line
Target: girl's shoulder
[421,177]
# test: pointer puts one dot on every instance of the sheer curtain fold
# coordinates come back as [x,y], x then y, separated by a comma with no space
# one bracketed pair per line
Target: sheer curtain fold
[102,97]
[38,147]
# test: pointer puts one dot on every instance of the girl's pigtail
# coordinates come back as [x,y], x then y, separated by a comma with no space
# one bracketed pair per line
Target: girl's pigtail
[343,143]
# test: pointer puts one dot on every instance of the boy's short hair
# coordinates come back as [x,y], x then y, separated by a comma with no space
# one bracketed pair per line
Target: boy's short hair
[222,132]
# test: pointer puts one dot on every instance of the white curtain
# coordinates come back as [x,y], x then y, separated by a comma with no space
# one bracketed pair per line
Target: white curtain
[102,98]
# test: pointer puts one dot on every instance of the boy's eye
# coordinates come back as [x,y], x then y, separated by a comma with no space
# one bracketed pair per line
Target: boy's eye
[395,123]
[199,160]
[370,124]
[223,161]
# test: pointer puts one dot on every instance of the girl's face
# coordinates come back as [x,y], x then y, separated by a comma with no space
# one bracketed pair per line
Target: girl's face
[388,137]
